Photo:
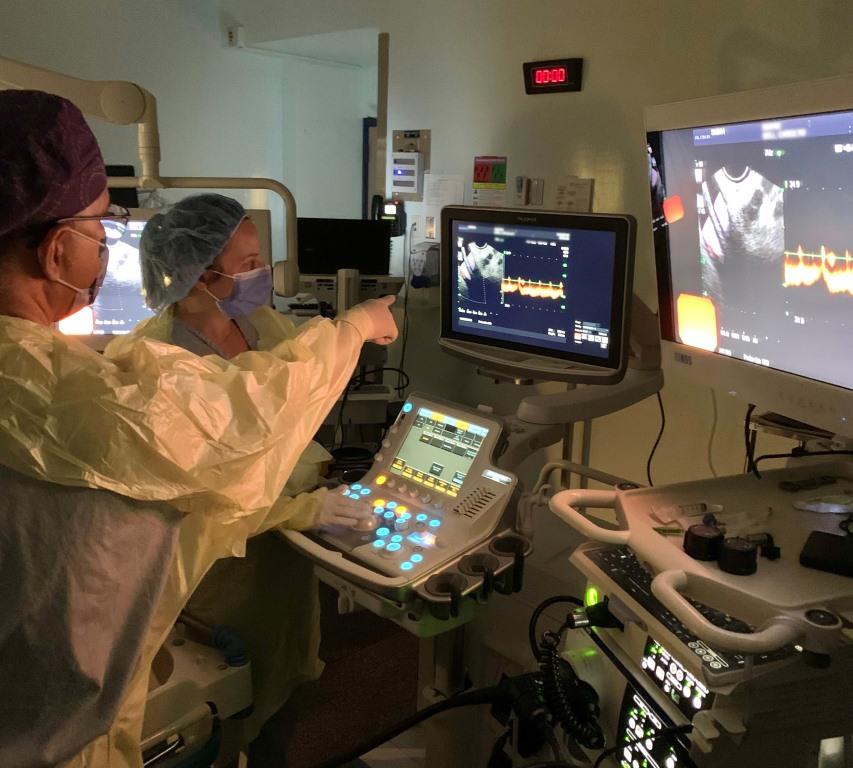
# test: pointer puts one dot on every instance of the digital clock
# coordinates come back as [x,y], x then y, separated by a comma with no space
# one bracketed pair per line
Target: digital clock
[553,76]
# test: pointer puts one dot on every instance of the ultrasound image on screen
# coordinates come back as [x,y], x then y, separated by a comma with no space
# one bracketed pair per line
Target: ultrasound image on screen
[544,288]
[757,230]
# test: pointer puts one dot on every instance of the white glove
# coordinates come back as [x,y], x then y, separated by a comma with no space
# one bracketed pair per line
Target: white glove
[373,319]
[340,509]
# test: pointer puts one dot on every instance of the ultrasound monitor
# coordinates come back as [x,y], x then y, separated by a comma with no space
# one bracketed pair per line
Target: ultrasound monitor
[542,295]
[120,305]
[752,209]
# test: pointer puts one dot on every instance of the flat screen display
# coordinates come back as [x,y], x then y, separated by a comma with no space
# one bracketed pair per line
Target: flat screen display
[120,305]
[438,451]
[754,240]
[537,288]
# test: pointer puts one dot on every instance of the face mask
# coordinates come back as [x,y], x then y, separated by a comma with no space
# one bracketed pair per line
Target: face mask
[84,297]
[251,290]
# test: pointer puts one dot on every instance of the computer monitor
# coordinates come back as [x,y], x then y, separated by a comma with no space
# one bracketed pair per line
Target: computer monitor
[327,245]
[543,295]
[752,208]
[120,306]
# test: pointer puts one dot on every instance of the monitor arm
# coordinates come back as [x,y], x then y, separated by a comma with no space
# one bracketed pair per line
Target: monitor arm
[114,101]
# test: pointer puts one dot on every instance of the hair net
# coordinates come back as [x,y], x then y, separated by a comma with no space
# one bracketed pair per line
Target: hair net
[50,164]
[180,243]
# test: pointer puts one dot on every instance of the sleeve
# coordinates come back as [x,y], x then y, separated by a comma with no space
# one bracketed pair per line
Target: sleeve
[156,422]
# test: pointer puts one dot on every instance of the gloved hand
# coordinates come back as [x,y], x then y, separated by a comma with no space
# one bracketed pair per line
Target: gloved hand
[340,509]
[373,319]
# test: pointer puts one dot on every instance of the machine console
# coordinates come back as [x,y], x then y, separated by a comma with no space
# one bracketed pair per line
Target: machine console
[433,491]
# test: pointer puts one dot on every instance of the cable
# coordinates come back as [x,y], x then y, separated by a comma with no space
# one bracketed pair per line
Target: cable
[794,455]
[748,449]
[406,276]
[713,434]
[660,734]
[472,698]
[534,618]
[657,442]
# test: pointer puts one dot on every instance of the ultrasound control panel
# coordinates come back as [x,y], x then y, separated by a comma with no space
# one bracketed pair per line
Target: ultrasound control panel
[621,566]
[644,742]
[433,492]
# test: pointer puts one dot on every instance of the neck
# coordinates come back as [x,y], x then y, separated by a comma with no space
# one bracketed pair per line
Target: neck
[201,313]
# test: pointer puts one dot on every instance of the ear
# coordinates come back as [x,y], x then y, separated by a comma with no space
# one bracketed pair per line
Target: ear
[51,254]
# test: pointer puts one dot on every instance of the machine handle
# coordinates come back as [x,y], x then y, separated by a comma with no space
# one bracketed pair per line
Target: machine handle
[564,503]
[336,561]
[779,632]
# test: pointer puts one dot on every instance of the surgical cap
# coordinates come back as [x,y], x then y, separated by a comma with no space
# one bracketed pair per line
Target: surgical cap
[50,163]
[180,243]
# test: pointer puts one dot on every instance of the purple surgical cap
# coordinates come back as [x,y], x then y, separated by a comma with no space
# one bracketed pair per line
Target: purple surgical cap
[50,163]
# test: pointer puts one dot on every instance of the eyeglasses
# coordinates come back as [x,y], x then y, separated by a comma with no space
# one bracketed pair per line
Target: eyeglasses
[115,213]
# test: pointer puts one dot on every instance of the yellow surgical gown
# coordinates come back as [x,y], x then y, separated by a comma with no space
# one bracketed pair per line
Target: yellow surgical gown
[270,596]
[217,439]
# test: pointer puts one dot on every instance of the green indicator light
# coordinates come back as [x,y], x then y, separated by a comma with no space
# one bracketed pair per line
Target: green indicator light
[591,597]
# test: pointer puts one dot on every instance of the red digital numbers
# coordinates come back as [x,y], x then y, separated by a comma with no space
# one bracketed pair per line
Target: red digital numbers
[550,76]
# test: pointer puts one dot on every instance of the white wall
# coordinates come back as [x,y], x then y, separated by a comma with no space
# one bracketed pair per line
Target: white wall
[456,68]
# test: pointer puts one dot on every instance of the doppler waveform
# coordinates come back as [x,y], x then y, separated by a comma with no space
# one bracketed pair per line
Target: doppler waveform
[836,271]
[535,289]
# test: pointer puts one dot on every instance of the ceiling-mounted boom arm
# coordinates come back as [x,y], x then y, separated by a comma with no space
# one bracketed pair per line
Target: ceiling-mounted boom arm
[115,101]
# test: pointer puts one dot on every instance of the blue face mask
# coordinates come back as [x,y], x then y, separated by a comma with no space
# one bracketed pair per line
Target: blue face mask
[251,290]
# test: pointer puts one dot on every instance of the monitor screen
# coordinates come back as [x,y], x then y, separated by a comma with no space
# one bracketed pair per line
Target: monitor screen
[327,245]
[554,285]
[120,305]
[753,234]
[438,451]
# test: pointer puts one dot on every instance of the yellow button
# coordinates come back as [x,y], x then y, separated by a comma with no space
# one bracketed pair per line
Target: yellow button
[400,510]
[379,502]
[380,480]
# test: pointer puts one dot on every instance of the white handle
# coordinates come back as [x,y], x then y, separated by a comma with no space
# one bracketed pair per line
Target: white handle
[564,503]
[776,634]
[337,562]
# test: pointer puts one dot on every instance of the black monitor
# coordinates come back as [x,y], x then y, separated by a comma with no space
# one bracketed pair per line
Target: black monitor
[543,295]
[327,245]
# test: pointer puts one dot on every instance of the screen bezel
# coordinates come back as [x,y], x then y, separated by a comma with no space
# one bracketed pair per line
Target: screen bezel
[623,267]
[815,402]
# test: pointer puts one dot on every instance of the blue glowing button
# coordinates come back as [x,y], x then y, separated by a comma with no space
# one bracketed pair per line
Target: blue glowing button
[405,516]
[394,546]
[422,518]
[378,544]
[379,510]
[356,486]
[396,537]
[407,566]
[391,505]
[382,531]
[416,558]
[365,491]
[435,523]
[354,496]
[390,517]
[407,407]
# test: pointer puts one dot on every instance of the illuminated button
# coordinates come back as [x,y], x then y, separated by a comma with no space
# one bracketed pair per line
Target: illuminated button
[379,510]
[365,491]
[435,523]
[393,549]
[401,524]
[379,502]
[397,538]
[697,702]
[416,558]
[355,496]
[378,544]
[391,505]
[407,407]
[356,486]
[389,518]
[402,509]
[380,479]
[422,518]
[383,531]
[407,566]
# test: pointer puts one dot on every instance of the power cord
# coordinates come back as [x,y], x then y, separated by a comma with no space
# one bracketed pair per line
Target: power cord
[406,277]
[749,441]
[795,454]
[659,735]
[657,442]
[716,417]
